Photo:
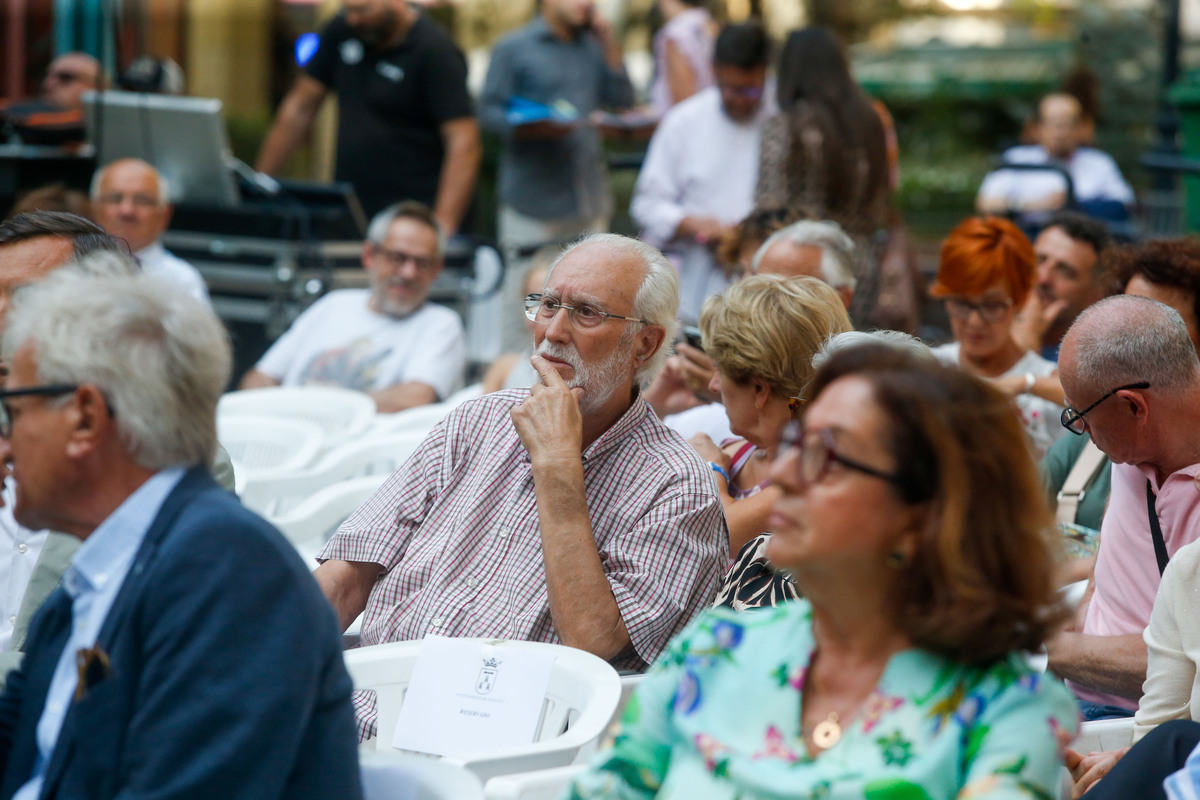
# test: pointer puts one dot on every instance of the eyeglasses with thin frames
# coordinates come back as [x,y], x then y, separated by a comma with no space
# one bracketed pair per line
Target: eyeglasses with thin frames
[540,308]
[398,258]
[1073,420]
[6,415]
[818,451]
[989,311]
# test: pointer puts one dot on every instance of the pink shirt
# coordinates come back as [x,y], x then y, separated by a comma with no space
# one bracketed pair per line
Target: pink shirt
[1126,570]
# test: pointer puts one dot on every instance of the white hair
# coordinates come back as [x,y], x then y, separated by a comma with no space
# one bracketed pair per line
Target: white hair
[847,339]
[164,185]
[837,249]
[656,301]
[160,357]
[107,263]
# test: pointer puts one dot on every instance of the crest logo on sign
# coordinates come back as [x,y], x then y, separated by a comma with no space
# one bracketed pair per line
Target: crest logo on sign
[487,676]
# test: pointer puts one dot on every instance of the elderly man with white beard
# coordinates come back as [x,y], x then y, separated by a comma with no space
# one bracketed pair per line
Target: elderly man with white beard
[563,513]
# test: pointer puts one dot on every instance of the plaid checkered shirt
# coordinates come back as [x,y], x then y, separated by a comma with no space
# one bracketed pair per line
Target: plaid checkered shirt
[456,529]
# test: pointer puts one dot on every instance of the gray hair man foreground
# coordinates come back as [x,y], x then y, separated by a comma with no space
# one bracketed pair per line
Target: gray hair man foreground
[185,626]
[566,513]
[1132,380]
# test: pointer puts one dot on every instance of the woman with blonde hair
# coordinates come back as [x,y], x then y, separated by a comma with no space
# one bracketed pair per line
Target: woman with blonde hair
[761,334]
[926,576]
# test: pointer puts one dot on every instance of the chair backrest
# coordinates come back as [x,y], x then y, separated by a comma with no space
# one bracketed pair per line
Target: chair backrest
[309,524]
[544,784]
[395,776]
[274,492]
[261,442]
[464,394]
[421,418]
[1104,734]
[583,692]
[341,414]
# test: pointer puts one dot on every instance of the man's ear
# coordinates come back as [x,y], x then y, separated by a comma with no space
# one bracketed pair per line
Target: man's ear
[649,339]
[91,421]
[1135,401]
[368,251]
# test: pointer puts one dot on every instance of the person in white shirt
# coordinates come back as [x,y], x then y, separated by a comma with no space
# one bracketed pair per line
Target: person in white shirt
[1097,181]
[698,179]
[132,200]
[385,340]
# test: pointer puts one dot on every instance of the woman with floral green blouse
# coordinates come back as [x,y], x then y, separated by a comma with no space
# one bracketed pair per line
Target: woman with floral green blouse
[912,519]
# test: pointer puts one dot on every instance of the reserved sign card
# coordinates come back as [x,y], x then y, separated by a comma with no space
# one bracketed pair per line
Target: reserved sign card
[465,697]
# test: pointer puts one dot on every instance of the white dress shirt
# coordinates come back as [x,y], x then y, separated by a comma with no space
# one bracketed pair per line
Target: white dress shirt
[700,163]
[21,548]
[158,261]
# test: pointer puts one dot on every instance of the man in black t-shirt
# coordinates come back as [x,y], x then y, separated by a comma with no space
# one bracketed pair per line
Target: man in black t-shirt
[405,127]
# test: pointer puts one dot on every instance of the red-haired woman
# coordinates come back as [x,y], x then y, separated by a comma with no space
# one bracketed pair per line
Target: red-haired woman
[986,272]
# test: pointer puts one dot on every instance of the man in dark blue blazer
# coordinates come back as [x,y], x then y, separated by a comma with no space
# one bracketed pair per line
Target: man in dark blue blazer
[188,653]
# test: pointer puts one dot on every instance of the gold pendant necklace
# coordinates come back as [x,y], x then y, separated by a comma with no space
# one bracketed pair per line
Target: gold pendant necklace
[827,732]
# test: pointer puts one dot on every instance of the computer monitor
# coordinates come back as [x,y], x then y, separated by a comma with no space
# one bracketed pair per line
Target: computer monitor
[183,137]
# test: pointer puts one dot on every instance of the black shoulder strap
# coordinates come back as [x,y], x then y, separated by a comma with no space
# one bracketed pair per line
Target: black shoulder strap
[1160,547]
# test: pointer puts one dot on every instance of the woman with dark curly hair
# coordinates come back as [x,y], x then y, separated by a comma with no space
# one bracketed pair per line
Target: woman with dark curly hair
[912,519]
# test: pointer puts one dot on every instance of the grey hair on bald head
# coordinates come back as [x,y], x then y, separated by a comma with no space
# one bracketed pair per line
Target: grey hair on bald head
[837,249]
[1127,339]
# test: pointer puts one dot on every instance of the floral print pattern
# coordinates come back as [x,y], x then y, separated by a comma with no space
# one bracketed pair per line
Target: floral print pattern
[718,716]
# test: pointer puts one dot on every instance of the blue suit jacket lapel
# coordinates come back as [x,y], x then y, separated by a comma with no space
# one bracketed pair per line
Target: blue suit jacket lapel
[193,482]
[49,629]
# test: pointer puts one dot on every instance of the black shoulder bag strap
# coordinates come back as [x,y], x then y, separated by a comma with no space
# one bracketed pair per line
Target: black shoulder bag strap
[1160,547]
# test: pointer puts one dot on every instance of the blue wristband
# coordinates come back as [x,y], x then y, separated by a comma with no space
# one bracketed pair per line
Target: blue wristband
[717,468]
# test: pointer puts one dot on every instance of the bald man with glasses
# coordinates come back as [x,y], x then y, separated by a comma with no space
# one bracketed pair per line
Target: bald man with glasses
[1132,381]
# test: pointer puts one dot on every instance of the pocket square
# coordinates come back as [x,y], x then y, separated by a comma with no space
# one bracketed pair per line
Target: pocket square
[93,668]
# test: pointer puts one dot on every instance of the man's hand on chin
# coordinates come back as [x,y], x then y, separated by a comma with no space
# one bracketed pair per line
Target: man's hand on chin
[549,421]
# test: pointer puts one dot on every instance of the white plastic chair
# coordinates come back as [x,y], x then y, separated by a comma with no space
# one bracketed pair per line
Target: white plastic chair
[421,418]
[255,443]
[464,394]
[579,703]
[309,524]
[545,784]
[395,776]
[274,492]
[1104,734]
[1095,737]
[341,414]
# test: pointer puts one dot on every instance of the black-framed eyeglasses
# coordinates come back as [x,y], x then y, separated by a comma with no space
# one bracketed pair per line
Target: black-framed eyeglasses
[1073,421]
[49,390]
[398,258]
[540,308]
[818,451]
[989,311]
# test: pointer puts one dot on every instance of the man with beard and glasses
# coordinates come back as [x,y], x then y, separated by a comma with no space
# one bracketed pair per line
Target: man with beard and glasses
[405,125]
[563,513]
[385,340]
